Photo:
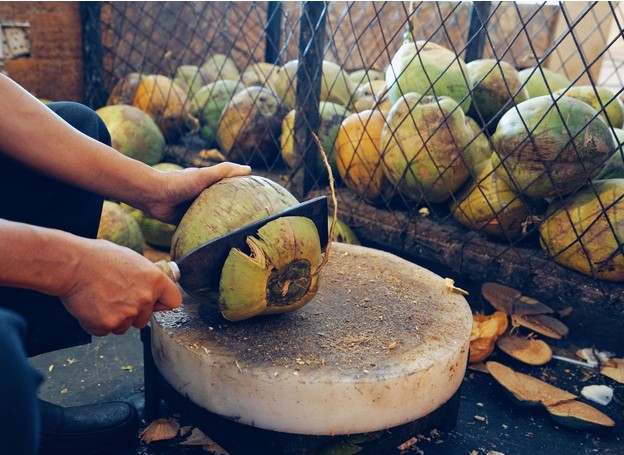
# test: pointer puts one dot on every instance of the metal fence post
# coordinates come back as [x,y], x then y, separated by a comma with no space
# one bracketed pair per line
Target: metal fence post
[309,76]
[476,31]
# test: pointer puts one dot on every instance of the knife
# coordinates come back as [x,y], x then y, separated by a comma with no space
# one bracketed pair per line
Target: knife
[200,268]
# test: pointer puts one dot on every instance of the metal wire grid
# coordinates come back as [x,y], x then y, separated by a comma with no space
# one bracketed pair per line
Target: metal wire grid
[361,35]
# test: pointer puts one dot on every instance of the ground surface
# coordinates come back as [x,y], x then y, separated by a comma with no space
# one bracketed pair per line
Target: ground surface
[111,368]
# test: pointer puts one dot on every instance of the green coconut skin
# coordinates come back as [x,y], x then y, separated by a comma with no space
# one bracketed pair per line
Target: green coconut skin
[119,227]
[133,133]
[208,104]
[250,127]
[430,69]
[496,88]
[550,161]
[602,99]
[489,206]
[422,143]
[586,233]
[537,84]
[227,205]
[613,168]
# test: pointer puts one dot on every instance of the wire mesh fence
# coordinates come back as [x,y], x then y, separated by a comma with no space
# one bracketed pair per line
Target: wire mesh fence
[484,137]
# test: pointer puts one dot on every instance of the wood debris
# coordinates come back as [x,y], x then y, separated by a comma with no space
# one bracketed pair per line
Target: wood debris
[449,284]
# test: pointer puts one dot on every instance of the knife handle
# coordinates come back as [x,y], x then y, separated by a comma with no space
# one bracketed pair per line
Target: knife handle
[170,269]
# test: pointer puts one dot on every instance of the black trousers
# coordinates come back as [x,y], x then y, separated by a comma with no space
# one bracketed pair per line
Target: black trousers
[29,197]
[32,323]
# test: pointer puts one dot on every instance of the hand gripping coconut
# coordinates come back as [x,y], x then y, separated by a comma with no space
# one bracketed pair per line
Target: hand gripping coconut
[247,245]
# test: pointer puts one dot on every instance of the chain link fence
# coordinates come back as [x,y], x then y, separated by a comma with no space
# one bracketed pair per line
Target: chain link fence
[482,137]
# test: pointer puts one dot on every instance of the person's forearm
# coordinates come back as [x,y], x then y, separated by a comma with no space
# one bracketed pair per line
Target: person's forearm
[33,135]
[37,258]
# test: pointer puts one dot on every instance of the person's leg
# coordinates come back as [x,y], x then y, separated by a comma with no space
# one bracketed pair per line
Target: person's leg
[29,197]
[19,407]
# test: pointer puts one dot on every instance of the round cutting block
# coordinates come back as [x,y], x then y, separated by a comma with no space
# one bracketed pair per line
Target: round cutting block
[383,343]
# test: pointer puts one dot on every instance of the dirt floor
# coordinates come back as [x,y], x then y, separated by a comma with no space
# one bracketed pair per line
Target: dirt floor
[111,368]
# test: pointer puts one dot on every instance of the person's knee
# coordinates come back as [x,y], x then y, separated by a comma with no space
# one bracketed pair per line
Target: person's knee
[83,118]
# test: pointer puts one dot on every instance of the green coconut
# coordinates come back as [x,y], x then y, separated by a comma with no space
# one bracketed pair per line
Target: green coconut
[279,274]
[336,86]
[586,232]
[332,115]
[497,87]
[261,74]
[542,81]
[602,99]
[490,207]
[479,148]
[119,227]
[219,66]
[544,150]
[342,232]
[228,205]
[250,127]
[208,104]
[430,69]
[613,168]
[133,132]
[364,76]
[190,78]
[422,144]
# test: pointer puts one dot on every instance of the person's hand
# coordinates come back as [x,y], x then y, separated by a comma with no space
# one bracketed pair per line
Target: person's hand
[114,288]
[180,188]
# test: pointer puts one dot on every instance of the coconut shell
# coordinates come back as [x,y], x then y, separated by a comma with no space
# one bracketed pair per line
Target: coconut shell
[485,331]
[536,156]
[580,416]
[511,301]
[430,69]
[250,127]
[586,232]
[422,142]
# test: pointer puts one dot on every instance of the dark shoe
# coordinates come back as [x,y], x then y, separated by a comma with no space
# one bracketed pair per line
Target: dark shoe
[87,430]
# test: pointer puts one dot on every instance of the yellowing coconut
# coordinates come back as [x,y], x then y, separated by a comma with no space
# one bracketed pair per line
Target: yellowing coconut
[358,154]
[124,90]
[490,206]
[219,66]
[586,233]
[542,81]
[165,101]
[602,99]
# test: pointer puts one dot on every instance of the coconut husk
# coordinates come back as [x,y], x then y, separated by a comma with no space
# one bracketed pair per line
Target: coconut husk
[511,301]
[576,414]
[485,331]
[160,430]
[542,324]
[529,351]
